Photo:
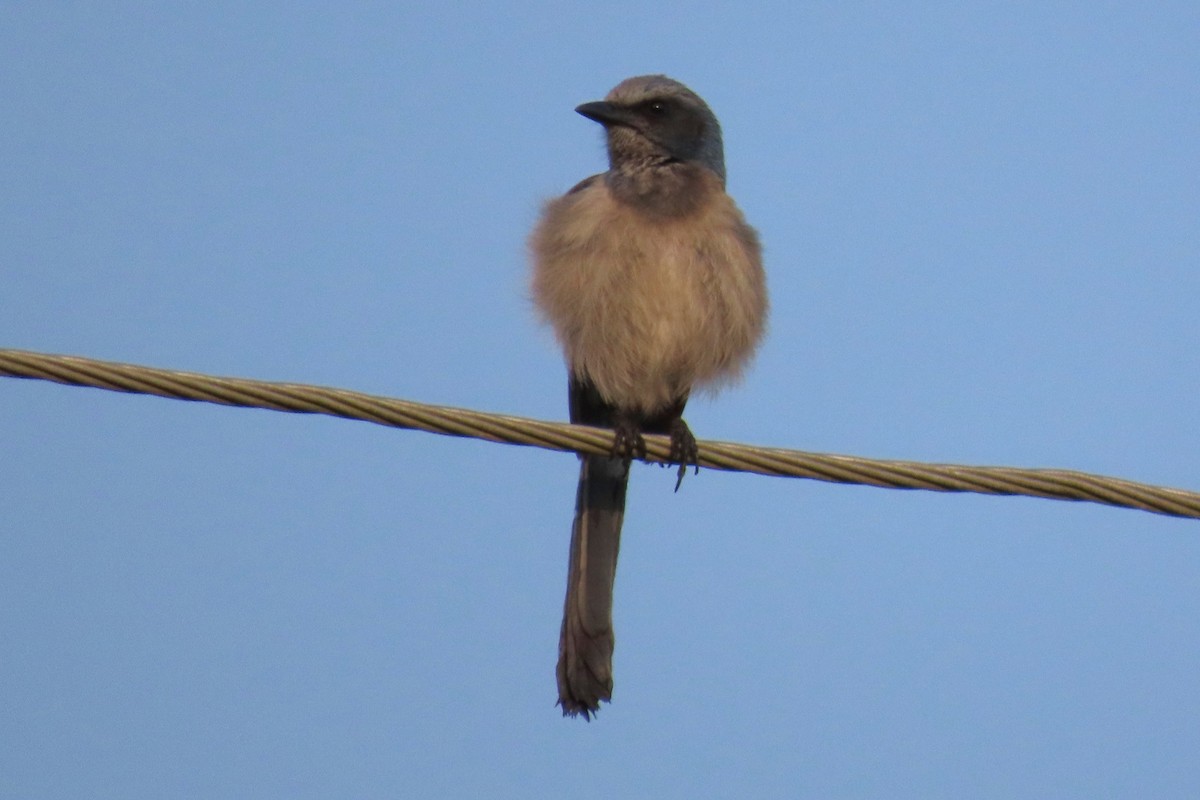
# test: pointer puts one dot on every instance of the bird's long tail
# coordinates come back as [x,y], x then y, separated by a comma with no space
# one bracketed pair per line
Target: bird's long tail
[585,645]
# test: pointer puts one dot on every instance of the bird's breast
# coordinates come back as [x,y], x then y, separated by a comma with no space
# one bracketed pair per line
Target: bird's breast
[647,307]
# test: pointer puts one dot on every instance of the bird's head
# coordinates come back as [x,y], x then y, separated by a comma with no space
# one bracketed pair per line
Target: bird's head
[652,120]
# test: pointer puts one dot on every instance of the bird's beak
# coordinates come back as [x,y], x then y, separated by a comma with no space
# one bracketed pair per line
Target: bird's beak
[606,113]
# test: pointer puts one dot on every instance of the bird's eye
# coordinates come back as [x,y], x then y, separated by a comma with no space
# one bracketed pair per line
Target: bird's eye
[658,107]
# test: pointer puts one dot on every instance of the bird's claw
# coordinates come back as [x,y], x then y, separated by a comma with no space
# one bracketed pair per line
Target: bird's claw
[683,450]
[628,442]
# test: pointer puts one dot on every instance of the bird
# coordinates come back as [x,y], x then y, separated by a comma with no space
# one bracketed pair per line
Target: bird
[652,281]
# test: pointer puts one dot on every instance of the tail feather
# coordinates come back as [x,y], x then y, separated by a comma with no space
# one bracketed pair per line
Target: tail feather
[585,645]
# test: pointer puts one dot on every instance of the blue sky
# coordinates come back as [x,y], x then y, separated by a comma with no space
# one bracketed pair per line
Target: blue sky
[980,223]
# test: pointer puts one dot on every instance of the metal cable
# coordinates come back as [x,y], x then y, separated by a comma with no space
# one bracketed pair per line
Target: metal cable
[301,398]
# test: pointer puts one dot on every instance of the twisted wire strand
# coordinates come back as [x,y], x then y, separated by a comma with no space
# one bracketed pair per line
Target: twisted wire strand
[306,399]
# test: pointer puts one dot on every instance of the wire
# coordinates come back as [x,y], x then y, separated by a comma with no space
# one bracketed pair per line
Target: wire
[305,399]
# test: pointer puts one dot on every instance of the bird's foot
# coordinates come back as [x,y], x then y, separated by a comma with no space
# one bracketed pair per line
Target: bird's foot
[683,449]
[628,442]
